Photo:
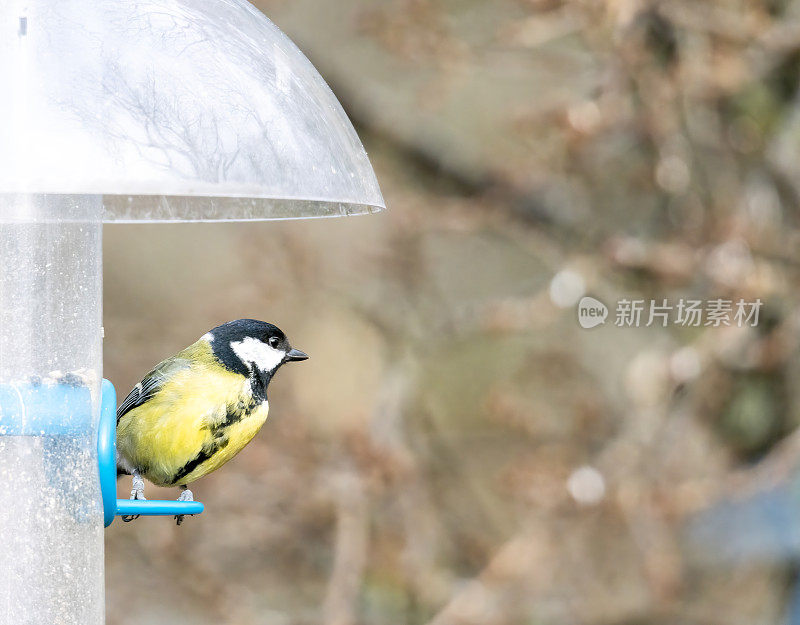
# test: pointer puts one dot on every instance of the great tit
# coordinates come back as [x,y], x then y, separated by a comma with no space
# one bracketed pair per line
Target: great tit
[196,410]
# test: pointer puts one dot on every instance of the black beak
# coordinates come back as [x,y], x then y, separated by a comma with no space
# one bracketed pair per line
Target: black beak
[295,354]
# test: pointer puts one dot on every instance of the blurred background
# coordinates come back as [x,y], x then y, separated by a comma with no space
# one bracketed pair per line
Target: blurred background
[458,450]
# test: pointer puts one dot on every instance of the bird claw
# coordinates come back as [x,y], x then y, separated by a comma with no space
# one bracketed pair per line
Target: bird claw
[137,492]
[137,487]
[186,495]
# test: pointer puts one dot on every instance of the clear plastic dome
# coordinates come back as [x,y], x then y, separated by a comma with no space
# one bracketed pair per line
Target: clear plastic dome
[173,110]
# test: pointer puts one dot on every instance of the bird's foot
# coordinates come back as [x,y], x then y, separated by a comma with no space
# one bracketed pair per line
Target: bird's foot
[137,492]
[186,495]
[137,487]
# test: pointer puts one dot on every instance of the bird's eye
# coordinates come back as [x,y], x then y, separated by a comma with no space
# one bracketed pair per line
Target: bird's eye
[273,342]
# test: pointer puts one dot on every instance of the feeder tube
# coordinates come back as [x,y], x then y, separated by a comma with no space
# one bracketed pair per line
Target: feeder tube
[51,518]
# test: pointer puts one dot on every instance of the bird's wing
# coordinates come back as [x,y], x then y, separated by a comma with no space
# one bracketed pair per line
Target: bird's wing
[151,384]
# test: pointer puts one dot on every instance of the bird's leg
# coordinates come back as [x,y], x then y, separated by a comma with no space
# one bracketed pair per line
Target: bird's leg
[137,486]
[186,495]
[137,492]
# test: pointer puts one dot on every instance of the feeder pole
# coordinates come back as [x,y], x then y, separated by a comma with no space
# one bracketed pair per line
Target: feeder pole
[51,520]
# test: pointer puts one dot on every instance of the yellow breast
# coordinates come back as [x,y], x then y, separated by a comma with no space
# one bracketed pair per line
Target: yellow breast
[201,418]
[236,435]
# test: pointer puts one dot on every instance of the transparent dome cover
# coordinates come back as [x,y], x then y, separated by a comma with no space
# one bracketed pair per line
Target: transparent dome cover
[172,110]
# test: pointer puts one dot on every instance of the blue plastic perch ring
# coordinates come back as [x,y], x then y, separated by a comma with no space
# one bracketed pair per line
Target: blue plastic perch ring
[107,463]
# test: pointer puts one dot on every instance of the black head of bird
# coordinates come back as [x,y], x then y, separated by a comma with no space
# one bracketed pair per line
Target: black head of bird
[253,348]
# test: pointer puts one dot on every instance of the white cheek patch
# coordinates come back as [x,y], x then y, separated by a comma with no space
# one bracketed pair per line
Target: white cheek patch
[253,352]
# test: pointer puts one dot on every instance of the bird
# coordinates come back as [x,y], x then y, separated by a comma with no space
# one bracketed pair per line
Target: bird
[197,409]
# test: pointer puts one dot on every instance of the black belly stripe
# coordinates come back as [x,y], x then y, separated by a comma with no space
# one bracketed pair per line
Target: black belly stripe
[204,454]
[219,441]
[236,413]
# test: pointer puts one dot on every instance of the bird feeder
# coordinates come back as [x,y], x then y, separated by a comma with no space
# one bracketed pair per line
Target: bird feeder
[126,111]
